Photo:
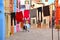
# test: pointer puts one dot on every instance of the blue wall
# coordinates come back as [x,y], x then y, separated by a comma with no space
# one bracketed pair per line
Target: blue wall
[2,21]
[15,5]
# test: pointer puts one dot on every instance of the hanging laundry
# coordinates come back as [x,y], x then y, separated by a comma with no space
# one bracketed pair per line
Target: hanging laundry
[21,24]
[46,11]
[22,6]
[33,13]
[18,10]
[27,5]
[27,15]
[18,6]
[17,27]
[18,3]
[19,16]
[13,18]
[40,10]
[22,2]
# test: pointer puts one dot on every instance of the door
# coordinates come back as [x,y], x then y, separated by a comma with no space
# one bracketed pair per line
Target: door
[33,22]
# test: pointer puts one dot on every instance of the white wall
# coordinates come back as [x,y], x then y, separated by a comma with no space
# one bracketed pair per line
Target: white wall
[6,6]
[47,21]
[59,2]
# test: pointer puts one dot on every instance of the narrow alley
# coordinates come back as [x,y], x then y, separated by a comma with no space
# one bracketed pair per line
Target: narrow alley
[35,34]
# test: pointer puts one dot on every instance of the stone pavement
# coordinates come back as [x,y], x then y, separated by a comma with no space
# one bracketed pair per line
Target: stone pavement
[35,34]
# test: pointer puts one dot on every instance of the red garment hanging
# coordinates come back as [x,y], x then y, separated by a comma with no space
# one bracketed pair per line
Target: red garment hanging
[26,13]
[19,16]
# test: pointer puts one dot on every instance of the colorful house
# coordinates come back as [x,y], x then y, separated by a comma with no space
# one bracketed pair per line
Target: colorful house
[2,21]
[8,5]
[29,13]
[57,14]
[7,18]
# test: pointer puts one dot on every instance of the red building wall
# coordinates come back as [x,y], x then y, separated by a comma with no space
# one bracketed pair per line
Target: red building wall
[57,12]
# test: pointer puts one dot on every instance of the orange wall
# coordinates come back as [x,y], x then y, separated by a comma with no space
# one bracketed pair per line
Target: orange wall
[56,3]
[57,12]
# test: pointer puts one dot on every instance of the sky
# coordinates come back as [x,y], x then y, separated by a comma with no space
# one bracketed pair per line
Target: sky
[49,2]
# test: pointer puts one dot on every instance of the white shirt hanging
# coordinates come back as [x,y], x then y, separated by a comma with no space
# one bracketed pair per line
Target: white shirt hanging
[27,6]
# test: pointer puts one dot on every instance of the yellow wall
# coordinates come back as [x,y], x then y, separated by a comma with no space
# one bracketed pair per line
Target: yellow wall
[6,6]
[8,25]
[7,17]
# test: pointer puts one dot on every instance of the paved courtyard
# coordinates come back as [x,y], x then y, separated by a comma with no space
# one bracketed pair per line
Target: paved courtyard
[35,34]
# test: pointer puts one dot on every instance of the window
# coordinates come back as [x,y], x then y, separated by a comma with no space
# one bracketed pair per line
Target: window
[44,21]
[33,21]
